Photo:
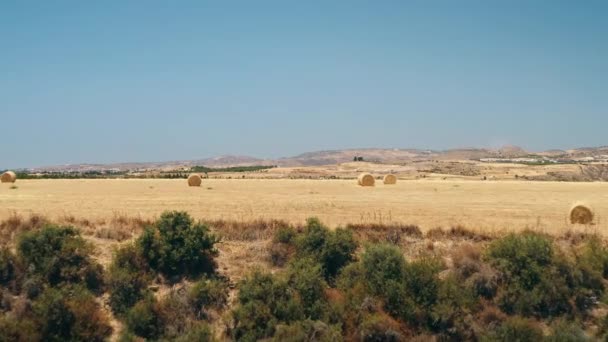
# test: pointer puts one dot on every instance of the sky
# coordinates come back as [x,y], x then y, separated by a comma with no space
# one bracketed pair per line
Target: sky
[125,80]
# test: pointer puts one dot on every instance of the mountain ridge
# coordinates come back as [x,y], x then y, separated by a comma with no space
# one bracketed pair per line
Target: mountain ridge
[337,156]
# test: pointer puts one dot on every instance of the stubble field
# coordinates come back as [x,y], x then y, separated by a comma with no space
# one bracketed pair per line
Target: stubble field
[476,205]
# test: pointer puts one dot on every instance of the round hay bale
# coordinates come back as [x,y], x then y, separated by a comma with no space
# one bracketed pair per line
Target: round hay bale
[581,214]
[390,179]
[195,180]
[8,177]
[366,179]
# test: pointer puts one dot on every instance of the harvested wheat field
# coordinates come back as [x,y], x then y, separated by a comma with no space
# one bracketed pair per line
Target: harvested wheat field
[507,205]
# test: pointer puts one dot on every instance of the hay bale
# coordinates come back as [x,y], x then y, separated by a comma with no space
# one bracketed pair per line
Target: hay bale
[366,179]
[390,179]
[581,214]
[8,177]
[195,180]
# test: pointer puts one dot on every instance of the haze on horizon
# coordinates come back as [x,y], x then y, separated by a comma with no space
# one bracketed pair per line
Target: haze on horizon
[113,81]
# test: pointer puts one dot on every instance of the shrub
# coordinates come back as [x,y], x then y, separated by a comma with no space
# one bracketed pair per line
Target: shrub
[280,253]
[594,257]
[175,246]
[70,313]
[144,319]
[59,255]
[308,330]
[127,279]
[379,327]
[264,301]
[306,278]
[175,314]
[449,315]
[564,331]
[199,332]
[284,235]
[422,282]
[8,267]
[13,328]
[382,264]
[333,250]
[537,281]
[208,293]
[515,329]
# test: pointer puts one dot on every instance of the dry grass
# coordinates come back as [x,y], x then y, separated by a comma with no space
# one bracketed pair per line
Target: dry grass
[246,231]
[484,206]
[457,232]
[392,233]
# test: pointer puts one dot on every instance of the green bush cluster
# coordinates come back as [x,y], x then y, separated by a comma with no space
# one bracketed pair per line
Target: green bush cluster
[176,246]
[332,250]
[173,247]
[53,283]
[540,281]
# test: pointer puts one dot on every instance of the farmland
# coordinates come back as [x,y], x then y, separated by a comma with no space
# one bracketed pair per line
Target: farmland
[478,205]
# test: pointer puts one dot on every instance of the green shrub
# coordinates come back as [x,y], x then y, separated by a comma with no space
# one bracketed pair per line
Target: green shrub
[306,278]
[13,328]
[59,255]
[8,268]
[127,279]
[595,256]
[537,281]
[333,250]
[515,329]
[422,282]
[175,314]
[144,320]
[199,332]
[564,331]
[176,247]
[70,313]
[522,257]
[264,301]
[382,264]
[284,235]
[308,330]
[208,293]
[449,315]
[379,327]
[33,287]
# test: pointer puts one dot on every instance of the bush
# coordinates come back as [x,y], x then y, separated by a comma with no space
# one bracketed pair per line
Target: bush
[537,281]
[308,330]
[564,331]
[333,250]
[208,293]
[127,279]
[13,328]
[382,264]
[176,247]
[59,255]
[379,327]
[306,278]
[144,319]
[8,267]
[264,301]
[284,235]
[515,329]
[70,313]
[199,332]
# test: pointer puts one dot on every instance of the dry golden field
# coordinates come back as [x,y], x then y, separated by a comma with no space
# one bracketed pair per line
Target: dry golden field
[478,205]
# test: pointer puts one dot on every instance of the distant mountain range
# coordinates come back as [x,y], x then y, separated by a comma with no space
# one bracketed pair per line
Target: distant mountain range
[380,155]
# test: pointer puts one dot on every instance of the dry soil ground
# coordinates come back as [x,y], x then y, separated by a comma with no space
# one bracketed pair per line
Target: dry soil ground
[477,205]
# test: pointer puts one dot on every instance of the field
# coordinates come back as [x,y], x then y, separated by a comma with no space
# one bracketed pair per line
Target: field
[477,205]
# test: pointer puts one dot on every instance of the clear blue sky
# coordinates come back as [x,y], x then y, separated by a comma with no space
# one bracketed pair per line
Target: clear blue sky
[107,81]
